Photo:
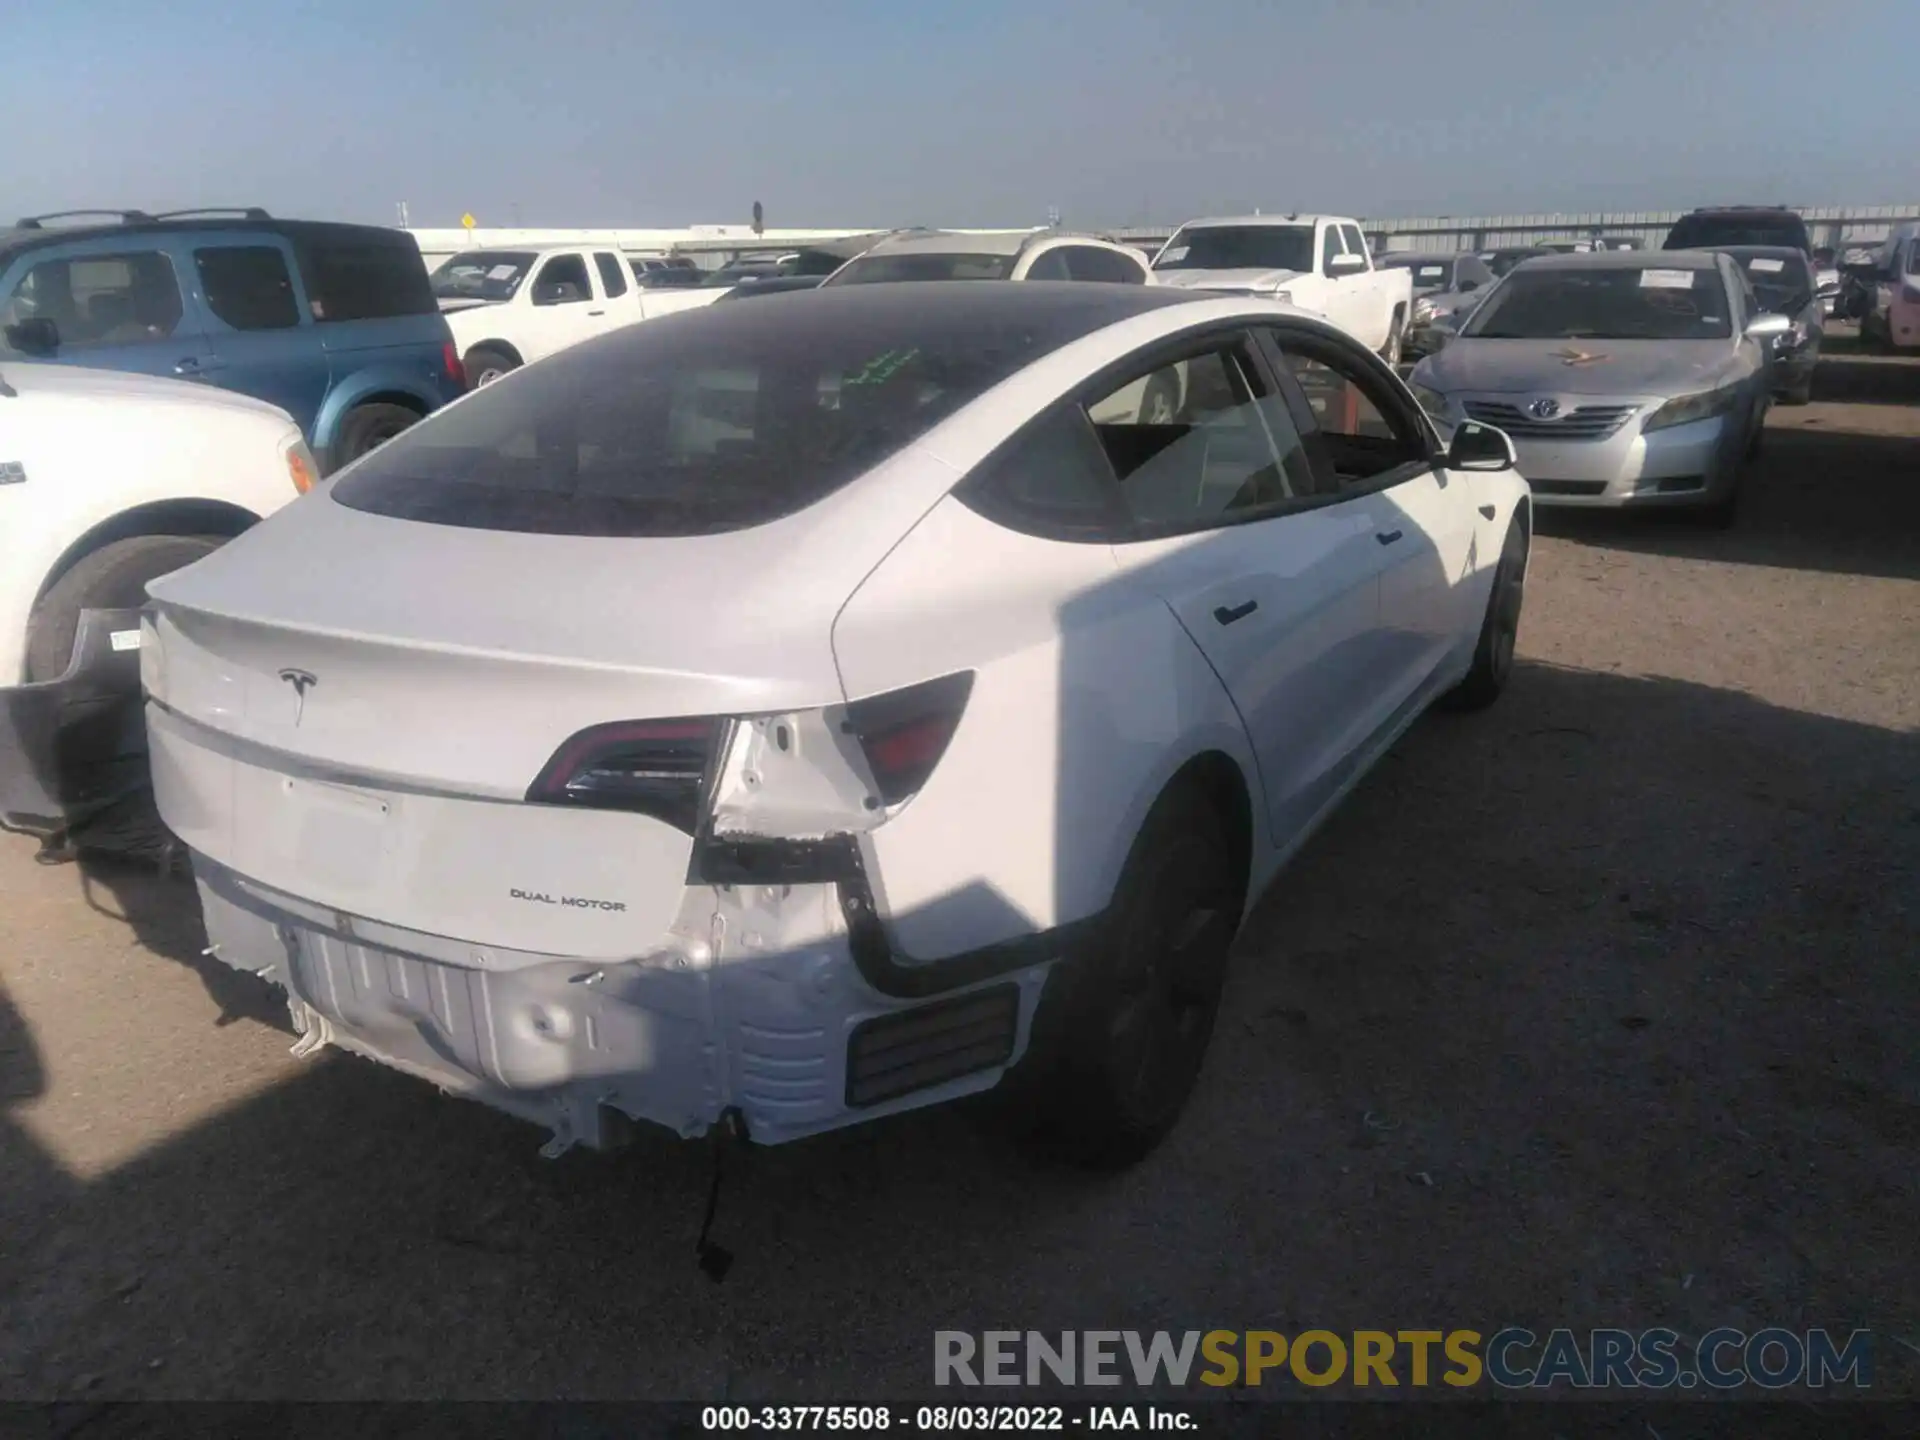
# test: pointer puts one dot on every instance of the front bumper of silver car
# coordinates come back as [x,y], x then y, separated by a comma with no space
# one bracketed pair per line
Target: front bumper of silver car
[1678,466]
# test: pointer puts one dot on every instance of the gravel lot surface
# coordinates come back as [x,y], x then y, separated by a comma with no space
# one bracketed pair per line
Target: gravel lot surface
[1597,1009]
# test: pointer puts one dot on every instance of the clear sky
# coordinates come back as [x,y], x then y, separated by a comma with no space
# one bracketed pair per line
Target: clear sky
[854,112]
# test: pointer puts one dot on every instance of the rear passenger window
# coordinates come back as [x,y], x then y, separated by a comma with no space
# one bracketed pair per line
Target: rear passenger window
[1200,441]
[613,275]
[1085,262]
[248,286]
[99,300]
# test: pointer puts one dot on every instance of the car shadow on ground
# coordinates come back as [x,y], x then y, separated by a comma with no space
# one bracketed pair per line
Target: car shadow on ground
[1818,498]
[1593,1010]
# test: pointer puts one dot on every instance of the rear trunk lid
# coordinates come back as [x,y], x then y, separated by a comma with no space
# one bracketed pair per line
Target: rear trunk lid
[351,708]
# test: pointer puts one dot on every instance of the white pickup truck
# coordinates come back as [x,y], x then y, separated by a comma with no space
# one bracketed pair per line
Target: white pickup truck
[1320,263]
[508,307]
[108,480]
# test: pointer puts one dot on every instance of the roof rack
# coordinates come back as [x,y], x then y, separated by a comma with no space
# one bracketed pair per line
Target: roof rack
[245,212]
[125,217]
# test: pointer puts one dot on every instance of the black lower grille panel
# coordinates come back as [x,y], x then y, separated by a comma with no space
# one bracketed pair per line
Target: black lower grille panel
[1568,487]
[893,1055]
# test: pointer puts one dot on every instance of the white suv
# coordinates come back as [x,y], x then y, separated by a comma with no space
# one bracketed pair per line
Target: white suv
[995,255]
[108,480]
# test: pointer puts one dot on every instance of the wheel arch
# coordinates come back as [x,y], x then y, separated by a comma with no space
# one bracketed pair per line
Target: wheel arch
[504,347]
[161,517]
[1217,778]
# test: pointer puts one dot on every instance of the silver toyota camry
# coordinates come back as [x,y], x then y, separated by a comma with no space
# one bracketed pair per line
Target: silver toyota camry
[1624,378]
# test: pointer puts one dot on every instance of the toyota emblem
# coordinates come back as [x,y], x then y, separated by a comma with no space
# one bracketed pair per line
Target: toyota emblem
[1543,409]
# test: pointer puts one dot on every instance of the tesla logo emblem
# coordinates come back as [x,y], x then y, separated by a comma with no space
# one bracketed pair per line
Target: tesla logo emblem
[302,681]
[1543,409]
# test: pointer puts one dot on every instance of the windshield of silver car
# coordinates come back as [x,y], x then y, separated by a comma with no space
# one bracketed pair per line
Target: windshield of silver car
[1239,247]
[1610,304]
[482,275]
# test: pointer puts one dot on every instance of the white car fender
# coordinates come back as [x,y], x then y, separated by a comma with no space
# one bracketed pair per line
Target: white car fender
[1087,697]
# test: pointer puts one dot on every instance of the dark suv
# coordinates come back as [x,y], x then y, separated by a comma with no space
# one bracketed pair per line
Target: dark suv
[1716,227]
[335,324]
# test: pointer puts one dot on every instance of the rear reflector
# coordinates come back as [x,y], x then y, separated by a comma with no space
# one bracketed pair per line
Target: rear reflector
[456,372]
[894,1055]
[651,767]
[905,732]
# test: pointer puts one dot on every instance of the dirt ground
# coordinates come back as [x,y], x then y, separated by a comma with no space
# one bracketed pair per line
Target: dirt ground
[1598,1009]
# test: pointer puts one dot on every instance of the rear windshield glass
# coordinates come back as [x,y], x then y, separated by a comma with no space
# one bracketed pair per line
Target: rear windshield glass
[1501,261]
[718,419]
[365,279]
[880,269]
[1781,282]
[1700,231]
[1623,304]
[1427,274]
[1239,247]
[483,274]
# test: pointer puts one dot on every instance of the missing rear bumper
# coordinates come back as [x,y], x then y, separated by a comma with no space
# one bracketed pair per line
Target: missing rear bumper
[70,748]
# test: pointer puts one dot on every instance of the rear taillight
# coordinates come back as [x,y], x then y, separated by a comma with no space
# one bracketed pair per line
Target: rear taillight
[651,767]
[456,372]
[905,732]
[672,769]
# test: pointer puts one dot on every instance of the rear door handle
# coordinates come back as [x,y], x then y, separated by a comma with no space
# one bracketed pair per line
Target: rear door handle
[1387,537]
[596,312]
[1239,612]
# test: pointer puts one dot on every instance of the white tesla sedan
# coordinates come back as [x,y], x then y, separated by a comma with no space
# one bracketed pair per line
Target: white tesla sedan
[786,714]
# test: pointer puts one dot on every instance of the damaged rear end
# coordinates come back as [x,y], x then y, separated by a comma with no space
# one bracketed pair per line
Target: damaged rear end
[556,799]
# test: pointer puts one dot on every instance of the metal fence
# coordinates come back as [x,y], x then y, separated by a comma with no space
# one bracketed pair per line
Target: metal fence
[1835,225]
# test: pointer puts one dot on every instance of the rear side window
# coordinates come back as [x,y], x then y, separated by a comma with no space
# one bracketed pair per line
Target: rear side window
[248,287]
[563,281]
[720,419]
[365,280]
[1053,481]
[1087,262]
[613,277]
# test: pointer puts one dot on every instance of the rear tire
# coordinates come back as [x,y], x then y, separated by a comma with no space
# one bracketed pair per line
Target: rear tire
[1396,339]
[485,364]
[114,577]
[1120,1044]
[368,427]
[1499,629]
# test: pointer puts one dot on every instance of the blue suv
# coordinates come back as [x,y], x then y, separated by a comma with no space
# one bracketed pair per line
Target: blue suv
[335,324]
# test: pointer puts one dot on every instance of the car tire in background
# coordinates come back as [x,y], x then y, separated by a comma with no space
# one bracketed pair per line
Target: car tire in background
[1499,628]
[367,427]
[486,364]
[1396,339]
[1120,1044]
[114,577]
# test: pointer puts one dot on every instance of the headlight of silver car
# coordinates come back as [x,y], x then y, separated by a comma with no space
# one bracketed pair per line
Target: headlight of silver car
[1422,311]
[1686,409]
[1431,401]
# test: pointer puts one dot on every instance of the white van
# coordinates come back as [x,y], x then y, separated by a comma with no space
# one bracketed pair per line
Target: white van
[1895,320]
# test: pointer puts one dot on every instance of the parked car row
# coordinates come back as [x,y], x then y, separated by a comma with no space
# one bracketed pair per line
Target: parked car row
[1038,628]
[1008,695]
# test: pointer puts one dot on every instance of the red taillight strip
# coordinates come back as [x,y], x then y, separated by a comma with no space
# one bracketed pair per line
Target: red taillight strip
[567,760]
